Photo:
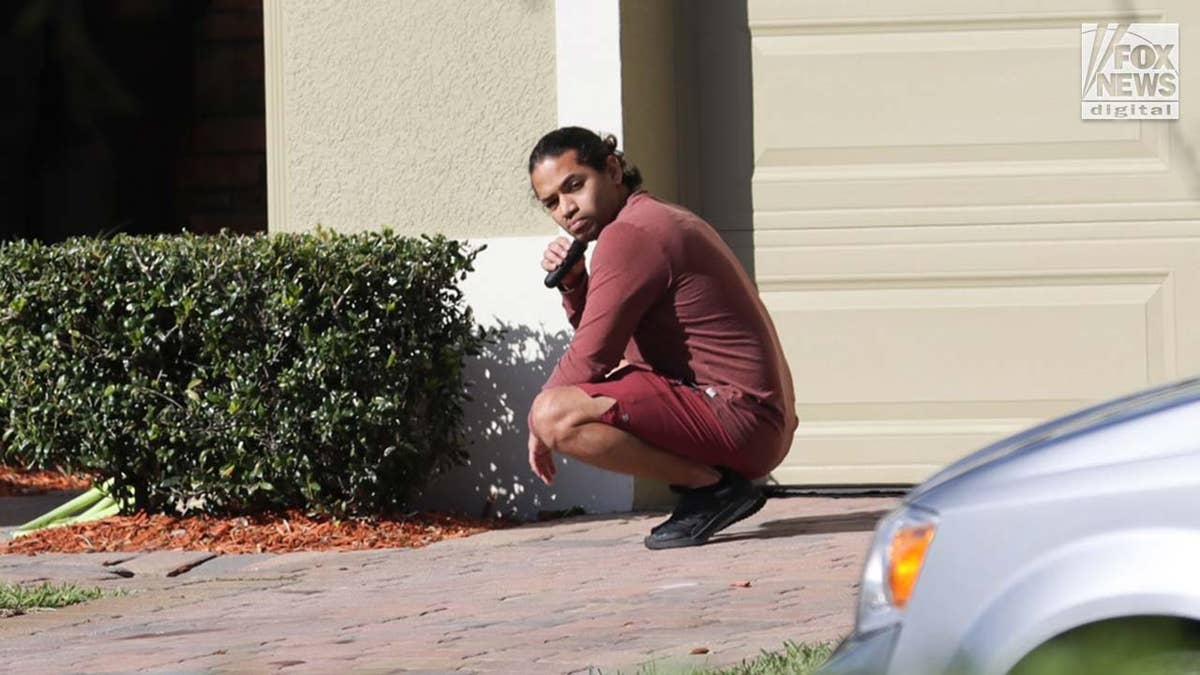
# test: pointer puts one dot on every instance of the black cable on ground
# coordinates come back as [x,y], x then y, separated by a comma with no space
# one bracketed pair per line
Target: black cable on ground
[885,490]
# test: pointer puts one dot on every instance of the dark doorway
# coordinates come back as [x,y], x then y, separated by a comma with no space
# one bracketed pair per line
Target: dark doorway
[133,116]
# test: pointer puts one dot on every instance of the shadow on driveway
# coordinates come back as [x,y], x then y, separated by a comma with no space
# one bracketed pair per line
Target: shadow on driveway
[858,521]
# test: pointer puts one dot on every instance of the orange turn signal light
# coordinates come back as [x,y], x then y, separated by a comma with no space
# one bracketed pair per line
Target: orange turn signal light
[907,555]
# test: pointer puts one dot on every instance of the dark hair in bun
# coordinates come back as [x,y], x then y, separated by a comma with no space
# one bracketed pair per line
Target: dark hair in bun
[590,149]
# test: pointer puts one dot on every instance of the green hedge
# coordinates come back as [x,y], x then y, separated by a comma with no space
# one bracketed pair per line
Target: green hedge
[235,373]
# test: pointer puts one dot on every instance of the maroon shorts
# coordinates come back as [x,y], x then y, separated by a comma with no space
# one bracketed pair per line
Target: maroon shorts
[681,419]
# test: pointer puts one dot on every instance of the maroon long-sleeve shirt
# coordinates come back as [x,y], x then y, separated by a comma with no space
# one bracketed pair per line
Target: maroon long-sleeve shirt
[666,292]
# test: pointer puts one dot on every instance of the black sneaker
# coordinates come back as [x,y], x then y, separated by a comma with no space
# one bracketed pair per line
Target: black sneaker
[702,512]
[679,490]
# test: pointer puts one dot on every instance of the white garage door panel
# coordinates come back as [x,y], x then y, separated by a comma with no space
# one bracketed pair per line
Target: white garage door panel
[906,356]
[915,109]
[939,344]
[950,118]
[949,252]
[866,454]
[951,76]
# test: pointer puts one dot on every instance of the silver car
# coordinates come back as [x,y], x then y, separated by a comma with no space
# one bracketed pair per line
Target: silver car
[1073,547]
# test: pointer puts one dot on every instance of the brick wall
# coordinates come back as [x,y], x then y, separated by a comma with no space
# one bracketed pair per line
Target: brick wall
[222,176]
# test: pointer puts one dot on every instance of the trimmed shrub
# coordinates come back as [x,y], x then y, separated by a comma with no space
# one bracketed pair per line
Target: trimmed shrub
[237,373]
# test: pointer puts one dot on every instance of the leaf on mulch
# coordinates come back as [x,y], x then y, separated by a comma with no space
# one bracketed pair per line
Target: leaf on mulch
[15,482]
[292,531]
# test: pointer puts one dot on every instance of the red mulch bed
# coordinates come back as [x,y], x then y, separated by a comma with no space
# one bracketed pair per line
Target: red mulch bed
[292,531]
[16,482]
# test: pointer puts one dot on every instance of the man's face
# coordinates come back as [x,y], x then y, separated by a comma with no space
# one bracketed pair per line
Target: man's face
[579,198]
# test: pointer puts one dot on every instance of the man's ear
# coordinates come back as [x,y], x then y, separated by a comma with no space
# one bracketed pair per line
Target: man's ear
[613,169]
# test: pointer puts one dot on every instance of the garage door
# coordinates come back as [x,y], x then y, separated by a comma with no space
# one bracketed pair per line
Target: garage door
[949,252]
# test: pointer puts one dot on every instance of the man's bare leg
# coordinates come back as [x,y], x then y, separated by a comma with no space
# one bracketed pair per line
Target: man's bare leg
[566,419]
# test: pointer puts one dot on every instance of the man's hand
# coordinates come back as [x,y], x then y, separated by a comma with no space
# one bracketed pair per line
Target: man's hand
[555,253]
[541,459]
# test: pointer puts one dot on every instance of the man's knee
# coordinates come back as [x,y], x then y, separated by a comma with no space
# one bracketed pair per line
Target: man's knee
[547,415]
[556,412]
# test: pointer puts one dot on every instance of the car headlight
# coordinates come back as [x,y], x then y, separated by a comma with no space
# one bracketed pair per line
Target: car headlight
[893,566]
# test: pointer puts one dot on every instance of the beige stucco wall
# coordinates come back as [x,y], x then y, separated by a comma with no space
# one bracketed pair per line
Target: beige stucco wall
[417,114]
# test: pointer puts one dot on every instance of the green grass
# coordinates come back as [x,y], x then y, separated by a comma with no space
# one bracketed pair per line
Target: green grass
[794,659]
[16,598]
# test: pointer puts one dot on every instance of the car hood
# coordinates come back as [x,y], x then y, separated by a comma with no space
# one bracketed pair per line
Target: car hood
[1038,441]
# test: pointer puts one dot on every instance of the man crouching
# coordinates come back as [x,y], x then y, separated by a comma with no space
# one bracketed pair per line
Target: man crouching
[675,372]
